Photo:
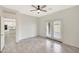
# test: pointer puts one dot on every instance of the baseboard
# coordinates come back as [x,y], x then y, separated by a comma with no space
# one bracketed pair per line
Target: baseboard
[49,38]
[26,38]
[70,45]
[41,37]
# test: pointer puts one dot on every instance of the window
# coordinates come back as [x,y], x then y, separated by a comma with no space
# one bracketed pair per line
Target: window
[57,29]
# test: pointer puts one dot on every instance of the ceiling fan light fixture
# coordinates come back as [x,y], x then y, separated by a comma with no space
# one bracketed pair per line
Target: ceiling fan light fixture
[38,10]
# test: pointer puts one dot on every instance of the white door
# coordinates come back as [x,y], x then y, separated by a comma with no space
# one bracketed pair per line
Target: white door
[2,33]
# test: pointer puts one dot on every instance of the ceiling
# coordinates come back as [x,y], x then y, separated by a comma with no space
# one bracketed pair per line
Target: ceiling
[26,9]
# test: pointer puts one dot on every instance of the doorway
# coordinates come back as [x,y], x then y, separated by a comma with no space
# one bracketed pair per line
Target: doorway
[10,33]
[53,30]
[48,29]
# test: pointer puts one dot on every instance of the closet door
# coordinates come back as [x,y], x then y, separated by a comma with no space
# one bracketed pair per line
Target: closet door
[2,32]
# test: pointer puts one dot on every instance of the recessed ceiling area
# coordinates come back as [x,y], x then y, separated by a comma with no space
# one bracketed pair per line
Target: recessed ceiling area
[26,9]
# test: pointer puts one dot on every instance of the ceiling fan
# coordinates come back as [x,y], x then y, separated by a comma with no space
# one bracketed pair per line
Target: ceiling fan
[39,8]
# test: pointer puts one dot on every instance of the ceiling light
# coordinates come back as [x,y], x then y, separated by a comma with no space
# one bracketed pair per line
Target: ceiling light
[38,10]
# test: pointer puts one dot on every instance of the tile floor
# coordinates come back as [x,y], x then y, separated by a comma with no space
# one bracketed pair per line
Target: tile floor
[36,45]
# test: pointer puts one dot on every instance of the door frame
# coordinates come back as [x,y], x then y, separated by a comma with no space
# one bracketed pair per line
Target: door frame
[2,33]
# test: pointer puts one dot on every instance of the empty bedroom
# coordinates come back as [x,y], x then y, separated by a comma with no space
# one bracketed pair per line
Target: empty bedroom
[39,28]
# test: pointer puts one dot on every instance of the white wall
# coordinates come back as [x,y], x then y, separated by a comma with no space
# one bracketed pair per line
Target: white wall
[2,33]
[26,26]
[2,41]
[70,25]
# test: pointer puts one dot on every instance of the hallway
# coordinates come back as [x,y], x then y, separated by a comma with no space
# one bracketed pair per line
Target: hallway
[36,45]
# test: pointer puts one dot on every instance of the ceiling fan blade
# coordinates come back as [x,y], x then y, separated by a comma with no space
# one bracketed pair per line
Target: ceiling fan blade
[34,6]
[44,10]
[43,6]
[32,10]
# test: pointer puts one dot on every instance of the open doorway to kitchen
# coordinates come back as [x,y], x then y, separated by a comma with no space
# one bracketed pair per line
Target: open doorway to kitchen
[10,33]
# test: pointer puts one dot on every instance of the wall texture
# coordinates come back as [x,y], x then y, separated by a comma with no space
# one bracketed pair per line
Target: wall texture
[26,26]
[70,25]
